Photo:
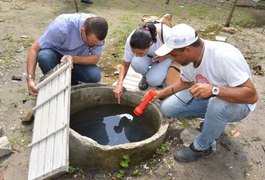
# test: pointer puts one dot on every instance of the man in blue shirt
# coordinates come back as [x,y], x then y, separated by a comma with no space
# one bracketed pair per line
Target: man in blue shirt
[79,35]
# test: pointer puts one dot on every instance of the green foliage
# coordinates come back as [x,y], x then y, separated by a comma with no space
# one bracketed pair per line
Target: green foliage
[136,171]
[184,123]
[11,49]
[75,170]
[125,162]
[163,148]
[22,141]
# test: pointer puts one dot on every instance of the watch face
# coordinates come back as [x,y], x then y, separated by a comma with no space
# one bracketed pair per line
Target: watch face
[215,90]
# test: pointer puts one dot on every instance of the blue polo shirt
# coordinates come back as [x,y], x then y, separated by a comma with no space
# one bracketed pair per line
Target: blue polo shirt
[64,36]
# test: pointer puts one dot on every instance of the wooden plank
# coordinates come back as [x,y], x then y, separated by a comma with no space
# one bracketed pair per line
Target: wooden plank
[50,141]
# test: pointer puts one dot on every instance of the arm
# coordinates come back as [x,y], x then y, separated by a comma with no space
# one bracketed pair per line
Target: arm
[173,88]
[119,87]
[244,93]
[86,60]
[31,68]
[161,58]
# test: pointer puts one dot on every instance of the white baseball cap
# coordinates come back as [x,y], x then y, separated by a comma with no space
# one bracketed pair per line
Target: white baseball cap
[182,35]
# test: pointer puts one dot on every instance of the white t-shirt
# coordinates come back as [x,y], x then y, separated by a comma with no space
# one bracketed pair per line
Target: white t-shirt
[128,54]
[222,64]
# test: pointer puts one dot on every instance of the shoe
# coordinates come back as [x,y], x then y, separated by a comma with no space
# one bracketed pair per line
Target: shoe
[143,85]
[189,154]
[87,1]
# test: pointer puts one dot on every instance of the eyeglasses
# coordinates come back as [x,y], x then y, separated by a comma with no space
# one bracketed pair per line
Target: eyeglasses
[94,44]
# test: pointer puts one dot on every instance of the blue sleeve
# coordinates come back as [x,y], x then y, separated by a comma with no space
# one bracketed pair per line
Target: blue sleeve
[53,37]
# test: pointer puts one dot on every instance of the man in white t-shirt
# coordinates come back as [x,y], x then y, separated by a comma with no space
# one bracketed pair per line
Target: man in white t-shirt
[215,84]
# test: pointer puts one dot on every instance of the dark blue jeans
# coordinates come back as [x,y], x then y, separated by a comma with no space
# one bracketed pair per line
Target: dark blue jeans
[49,58]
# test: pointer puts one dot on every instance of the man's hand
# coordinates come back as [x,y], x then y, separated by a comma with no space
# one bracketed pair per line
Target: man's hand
[66,58]
[32,89]
[201,91]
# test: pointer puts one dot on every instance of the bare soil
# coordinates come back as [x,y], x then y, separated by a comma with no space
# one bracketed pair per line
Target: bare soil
[239,155]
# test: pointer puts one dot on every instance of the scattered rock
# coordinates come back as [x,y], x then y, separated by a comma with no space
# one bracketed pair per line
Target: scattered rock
[29,117]
[116,72]
[258,70]
[188,135]
[5,147]
[17,77]
[234,133]
[220,38]
[24,37]
[229,30]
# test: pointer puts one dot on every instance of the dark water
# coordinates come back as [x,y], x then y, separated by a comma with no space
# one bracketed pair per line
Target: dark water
[111,124]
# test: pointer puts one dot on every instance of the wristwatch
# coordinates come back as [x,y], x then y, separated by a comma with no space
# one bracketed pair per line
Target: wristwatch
[215,90]
[29,76]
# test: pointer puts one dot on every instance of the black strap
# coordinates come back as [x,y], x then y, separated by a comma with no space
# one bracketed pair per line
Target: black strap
[162,38]
[174,67]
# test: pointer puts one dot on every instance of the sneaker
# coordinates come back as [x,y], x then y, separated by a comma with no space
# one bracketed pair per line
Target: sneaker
[189,154]
[143,85]
[87,1]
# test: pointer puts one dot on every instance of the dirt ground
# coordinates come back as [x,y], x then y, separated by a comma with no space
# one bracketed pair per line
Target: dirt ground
[241,148]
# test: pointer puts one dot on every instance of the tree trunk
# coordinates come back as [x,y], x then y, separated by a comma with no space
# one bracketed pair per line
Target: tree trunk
[227,24]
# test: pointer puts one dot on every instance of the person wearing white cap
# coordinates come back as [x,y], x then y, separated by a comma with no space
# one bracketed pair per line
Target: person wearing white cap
[139,52]
[215,85]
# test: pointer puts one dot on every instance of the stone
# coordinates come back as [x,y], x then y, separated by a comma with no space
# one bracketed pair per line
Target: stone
[5,147]
[188,135]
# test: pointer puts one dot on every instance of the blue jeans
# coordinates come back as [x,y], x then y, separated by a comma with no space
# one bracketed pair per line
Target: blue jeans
[155,73]
[49,58]
[216,113]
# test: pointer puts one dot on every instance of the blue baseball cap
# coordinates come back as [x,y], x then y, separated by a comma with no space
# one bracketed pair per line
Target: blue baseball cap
[181,35]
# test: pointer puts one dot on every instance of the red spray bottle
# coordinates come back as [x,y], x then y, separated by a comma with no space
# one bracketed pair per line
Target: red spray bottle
[138,111]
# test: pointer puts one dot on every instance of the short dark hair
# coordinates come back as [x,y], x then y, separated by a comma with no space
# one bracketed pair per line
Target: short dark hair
[143,36]
[97,26]
[198,42]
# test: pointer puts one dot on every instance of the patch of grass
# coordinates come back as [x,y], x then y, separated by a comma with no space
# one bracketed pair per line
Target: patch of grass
[243,18]
[11,49]
[136,171]
[27,97]
[113,52]
[206,13]
[76,171]
[210,31]
[184,123]
[163,149]
[125,162]
[18,141]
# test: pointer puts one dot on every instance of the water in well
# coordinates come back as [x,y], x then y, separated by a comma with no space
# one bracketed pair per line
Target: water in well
[112,124]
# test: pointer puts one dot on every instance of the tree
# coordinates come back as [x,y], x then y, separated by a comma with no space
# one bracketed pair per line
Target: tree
[227,24]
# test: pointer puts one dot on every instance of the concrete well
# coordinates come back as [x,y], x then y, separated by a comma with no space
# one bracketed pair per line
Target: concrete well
[85,152]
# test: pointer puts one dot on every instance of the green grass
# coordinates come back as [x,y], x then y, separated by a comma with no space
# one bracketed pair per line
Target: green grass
[12,47]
